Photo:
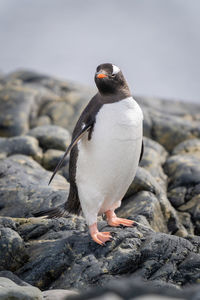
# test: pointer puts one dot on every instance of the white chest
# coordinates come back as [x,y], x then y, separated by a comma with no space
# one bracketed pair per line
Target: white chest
[119,121]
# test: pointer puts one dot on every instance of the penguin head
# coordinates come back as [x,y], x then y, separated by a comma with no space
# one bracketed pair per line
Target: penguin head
[109,79]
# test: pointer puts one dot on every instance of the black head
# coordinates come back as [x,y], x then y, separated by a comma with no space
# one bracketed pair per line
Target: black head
[109,79]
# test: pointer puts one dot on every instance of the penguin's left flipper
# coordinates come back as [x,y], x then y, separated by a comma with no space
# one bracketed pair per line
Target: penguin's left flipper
[75,140]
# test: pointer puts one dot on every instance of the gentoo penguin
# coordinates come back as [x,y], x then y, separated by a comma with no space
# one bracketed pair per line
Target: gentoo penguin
[105,152]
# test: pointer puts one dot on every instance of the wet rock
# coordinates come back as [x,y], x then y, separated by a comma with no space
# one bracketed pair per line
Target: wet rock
[10,290]
[24,187]
[51,137]
[12,250]
[26,145]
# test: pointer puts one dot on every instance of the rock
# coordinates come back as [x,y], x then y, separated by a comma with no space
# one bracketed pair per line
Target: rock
[145,204]
[26,145]
[169,107]
[58,294]
[51,137]
[10,275]
[24,187]
[185,219]
[193,207]
[62,255]
[10,290]
[61,113]
[153,158]
[177,196]
[51,159]
[138,289]
[183,170]
[169,130]
[147,123]
[190,147]
[158,256]
[12,250]
[143,181]
[16,103]
[41,121]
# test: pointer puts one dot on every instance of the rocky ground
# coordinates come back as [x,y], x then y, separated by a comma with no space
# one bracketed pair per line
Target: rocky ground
[56,259]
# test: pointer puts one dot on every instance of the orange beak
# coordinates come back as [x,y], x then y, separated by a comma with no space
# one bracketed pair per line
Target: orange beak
[101,75]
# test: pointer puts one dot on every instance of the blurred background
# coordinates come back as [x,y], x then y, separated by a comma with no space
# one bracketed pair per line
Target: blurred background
[156,43]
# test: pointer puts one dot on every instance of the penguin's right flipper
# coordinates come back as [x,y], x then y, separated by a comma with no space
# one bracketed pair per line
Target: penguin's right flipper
[142,151]
[73,143]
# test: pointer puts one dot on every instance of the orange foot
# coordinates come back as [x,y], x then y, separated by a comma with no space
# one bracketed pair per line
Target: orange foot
[99,237]
[113,220]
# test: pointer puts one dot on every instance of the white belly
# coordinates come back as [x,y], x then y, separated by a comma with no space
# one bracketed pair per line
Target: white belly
[107,164]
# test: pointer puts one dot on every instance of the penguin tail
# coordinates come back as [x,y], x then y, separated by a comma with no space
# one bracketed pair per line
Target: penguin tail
[52,213]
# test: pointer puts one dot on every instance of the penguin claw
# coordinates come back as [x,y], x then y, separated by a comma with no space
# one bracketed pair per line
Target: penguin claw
[99,237]
[120,221]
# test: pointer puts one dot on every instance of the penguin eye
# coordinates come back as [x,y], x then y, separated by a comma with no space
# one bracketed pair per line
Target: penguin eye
[113,75]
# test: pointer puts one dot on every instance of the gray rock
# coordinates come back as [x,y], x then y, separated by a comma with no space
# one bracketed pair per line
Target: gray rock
[191,147]
[165,106]
[59,253]
[145,204]
[177,196]
[143,181]
[16,103]
[51,137]
[52,157]
[183,170]
[12,250]
[26,145]
[60,112]
[153,158]
[58,294]
[136,288]
[24,187]
[62,255]
[169,130]
[10,275]
[10,290]
[186,220]
[193,207]
[41,121]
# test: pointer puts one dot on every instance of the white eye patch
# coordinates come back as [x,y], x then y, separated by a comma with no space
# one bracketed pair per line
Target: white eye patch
[115,70]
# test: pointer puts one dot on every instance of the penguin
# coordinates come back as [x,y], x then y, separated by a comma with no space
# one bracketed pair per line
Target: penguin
[105,151]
